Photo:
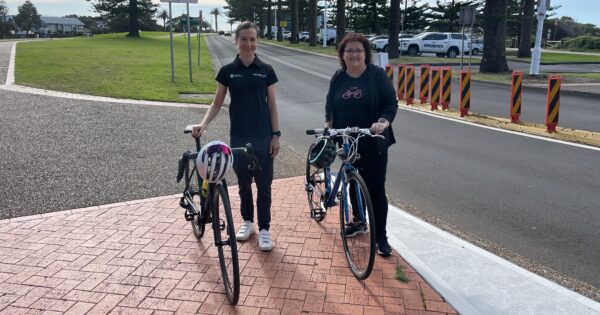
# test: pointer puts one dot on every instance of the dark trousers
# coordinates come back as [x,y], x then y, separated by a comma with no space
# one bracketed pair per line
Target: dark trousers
[372,167]
[262,178]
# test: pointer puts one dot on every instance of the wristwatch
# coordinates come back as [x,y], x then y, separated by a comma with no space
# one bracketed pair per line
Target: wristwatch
[276,133]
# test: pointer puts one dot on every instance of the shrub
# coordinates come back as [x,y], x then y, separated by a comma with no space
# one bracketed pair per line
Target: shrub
[583,43]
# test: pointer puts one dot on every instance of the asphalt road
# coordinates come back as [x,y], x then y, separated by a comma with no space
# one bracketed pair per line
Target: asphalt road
[537,198]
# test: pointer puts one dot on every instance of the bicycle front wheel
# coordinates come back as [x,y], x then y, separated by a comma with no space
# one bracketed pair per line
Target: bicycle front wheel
[225,242]
[358,226]
[315,189]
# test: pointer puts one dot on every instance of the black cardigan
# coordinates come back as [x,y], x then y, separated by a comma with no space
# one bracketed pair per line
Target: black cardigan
[381,92]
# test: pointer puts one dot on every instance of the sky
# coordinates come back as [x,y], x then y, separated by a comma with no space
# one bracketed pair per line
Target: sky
[583,11]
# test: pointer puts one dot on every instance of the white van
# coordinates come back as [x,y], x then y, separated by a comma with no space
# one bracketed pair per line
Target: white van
[273,31]
[331,36]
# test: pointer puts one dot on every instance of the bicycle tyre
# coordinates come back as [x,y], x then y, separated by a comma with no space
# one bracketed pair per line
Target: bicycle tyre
[360,249]
[194,198]
[315,189]
[225,242]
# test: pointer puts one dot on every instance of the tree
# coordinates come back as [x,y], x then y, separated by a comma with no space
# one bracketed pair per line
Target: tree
[279,30]
[494,32]
[445,16]
[526,21]
[130,15]
[269,20]
[340,20]
[164,15]
[394,27]
[415,16]
[28,19]
[312,35]
[5,26]
[216,12]
[294,28]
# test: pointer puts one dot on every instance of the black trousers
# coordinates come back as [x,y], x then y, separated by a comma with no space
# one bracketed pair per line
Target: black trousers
[262,178]
[372,167]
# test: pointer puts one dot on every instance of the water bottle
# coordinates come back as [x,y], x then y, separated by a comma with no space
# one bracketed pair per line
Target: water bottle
[204,189]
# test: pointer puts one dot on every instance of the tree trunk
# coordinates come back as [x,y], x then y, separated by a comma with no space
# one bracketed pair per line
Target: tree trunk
[375,27]
[340,21]
[312,37]
[279,30]
[526,21]
[494,34]
[393,42]
[269,20]
[134,23]
[294,30]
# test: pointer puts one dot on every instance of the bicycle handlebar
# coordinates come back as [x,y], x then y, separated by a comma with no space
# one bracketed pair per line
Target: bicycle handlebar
[342,131]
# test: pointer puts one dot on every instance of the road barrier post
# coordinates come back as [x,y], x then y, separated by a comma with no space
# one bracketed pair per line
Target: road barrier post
[434,91]
[516,99]
[424,84]
[401,77]
[464,102]
[389,71]
[553,102]
[446,87]
[410,85]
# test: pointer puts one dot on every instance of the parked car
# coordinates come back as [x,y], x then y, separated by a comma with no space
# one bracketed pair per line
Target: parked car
[304,36]
[381,43]
[476,46]
[331,36]
[227,34]
[287,35]
[442,44]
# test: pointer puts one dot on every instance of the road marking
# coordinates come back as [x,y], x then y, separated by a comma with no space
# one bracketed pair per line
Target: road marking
[579,145]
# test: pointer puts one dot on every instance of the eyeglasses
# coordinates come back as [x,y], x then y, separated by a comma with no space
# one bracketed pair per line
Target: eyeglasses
[354,51]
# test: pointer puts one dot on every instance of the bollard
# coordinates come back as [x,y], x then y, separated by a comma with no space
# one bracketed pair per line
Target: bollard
[424,84]
[401,76]
[464,102]
[389,71]
[446,87]
[516,99]
[434,91]
[553,102]
[410,85]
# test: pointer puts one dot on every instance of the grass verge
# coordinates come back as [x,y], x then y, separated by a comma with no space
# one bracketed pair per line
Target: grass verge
[116,66]
[555,57]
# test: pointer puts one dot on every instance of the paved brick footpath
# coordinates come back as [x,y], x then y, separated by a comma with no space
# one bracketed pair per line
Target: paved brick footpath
[141,257]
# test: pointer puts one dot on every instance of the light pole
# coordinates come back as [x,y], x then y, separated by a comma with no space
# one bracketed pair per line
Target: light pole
[325,22]
[537,48]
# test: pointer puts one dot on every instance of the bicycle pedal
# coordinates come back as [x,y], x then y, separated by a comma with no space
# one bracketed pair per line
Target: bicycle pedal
[189,215]
[183,203]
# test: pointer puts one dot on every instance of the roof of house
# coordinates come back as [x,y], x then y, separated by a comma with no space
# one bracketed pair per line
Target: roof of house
[61,20]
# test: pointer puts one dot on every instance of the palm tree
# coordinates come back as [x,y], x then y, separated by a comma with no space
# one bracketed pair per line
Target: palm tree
[164,15]
[216,12]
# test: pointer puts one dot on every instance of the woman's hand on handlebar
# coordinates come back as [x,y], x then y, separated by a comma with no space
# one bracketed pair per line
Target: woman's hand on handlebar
[198,130]
[377,128]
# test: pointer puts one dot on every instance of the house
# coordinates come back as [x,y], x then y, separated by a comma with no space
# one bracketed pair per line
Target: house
[67,26]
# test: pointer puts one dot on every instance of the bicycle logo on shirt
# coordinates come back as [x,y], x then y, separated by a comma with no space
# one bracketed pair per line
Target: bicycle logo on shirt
[352,92]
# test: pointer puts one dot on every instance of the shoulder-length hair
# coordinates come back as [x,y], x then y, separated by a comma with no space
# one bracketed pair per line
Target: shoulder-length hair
[354,37]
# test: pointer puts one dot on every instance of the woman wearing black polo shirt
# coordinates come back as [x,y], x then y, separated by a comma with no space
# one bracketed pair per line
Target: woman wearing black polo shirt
[253,116]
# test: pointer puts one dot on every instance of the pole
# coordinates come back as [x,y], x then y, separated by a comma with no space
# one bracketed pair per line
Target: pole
[471,41]
[325,25]
[199,38]
[462,41]
[189,41]
[171,44]
[537,49]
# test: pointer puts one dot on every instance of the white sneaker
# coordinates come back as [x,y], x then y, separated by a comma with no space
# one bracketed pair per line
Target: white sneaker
[264,240]
[244,232]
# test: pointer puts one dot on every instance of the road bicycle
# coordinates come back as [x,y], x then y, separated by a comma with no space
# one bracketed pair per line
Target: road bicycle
[349,190]
[206,203]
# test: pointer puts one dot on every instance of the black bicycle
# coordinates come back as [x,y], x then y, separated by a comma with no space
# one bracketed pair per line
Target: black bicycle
[349,190]
[205,203]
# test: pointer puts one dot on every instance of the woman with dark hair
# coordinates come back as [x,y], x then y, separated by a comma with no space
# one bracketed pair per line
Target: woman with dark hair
[361,95]
[254,119]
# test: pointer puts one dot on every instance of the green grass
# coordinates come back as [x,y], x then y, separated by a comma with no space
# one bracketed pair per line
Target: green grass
[555,57]
[116,66]
[400,275]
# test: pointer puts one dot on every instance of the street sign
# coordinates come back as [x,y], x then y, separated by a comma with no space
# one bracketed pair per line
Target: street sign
[180,1]
[467,15]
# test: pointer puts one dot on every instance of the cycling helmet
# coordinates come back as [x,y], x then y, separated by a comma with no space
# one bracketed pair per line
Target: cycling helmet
[214,160]
[322,153]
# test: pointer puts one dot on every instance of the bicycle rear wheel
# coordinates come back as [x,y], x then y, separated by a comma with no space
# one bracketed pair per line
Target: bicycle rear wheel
[315,189]
[225,242]
[358,226]
[194,199]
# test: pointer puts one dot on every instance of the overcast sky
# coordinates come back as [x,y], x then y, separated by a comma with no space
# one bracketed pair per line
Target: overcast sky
[584,11]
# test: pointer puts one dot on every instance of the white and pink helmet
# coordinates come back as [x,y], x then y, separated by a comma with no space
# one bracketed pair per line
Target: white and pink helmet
[214,160]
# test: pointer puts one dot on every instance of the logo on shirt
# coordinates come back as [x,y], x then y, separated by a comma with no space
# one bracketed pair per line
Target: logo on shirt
[233,76]
[352,92]
[260,75]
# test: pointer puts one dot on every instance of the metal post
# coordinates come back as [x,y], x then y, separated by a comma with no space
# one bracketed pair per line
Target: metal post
[189,41]
[199,37]
[462,43]
[325,25]
[471,47]
[171,44]
[537,49]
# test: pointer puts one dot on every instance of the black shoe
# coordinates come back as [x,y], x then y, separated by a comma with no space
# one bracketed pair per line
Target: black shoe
[383,248]
[355,228]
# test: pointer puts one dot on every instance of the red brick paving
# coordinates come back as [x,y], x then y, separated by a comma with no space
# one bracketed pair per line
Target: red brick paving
[141,257]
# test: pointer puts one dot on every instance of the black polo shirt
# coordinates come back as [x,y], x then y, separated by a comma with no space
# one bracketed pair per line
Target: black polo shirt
[248,112]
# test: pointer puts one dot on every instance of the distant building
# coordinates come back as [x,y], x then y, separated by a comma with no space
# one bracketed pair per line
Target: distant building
[61,25]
